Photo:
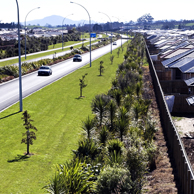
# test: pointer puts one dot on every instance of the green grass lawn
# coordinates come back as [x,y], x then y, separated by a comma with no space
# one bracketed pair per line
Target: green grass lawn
[59,45]
[58,113]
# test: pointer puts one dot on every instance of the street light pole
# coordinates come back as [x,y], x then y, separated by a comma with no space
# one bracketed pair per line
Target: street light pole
[26,29]
[62,28]
[89,28]
[19,55]
[82,34]
[121,36]
[111,31]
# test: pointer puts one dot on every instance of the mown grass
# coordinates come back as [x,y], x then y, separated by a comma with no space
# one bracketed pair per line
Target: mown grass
[58,113]
[34,56]
[59,45]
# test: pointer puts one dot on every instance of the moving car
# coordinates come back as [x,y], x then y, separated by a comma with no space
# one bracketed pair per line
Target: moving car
[45,70]
[114,43]
[77,57]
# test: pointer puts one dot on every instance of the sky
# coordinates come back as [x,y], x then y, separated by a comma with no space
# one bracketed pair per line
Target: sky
[111,10]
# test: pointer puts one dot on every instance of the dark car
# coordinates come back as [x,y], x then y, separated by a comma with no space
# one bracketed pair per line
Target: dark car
[77,58]
[45,70]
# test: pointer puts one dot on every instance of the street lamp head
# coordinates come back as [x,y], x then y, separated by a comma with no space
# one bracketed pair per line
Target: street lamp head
[38,7]
[71,2]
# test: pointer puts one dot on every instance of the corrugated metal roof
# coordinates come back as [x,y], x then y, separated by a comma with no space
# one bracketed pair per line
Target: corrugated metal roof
[182,45]
[176,52]
[185,65]
[166,52]
[190,70]
[177,57]
[190,100]
[165,47]
[176,45]
[151,37]
[189,46]
[190,81]
[180,62]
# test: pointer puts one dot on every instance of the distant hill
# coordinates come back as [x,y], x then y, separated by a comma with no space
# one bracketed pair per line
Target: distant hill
[55,20]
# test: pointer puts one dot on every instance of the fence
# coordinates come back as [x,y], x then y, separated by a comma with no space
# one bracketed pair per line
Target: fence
[176,149]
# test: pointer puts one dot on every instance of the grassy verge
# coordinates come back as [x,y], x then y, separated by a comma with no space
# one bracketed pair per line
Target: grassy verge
[59,45]
[57,112]
[10,62]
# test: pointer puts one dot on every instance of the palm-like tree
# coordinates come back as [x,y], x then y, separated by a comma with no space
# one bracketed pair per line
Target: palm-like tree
[136,110]
[128,102]
[115,147]
[71,178]
[112,108]
[87,150]
[99,106]
[117,95]
[140,108]
[122,122]
[88,126]
[103,135]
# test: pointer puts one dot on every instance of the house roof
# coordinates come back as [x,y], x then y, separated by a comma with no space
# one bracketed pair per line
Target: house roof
[190,100]
[176,45]
[186,65]
[175,52]
[177,57]
[151,37]
[190,81]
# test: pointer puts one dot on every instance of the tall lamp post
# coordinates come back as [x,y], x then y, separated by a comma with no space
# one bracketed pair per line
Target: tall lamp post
[62,28]
[26,29]
[19,55]
[111,31]
[118,21]
[89,29]
[83,34]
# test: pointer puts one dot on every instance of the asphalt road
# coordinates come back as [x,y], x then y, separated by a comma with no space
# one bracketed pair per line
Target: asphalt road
[9,91]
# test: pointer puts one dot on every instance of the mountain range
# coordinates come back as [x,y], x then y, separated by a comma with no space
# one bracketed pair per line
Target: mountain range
[55,20]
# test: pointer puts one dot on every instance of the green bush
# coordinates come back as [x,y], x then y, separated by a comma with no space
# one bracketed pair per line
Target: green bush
[87,150]
[137,163]
[71,178]
[113,180]
[115,145]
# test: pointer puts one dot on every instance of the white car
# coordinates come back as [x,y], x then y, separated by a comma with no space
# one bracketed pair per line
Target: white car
[45,70]
[114,43]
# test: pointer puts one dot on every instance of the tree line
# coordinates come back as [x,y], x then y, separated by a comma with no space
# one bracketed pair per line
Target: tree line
[33,44]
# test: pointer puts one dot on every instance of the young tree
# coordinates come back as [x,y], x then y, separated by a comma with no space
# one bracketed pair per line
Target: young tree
[111,59]
[29,135]
[101,67]
[118,52]
[82,84]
